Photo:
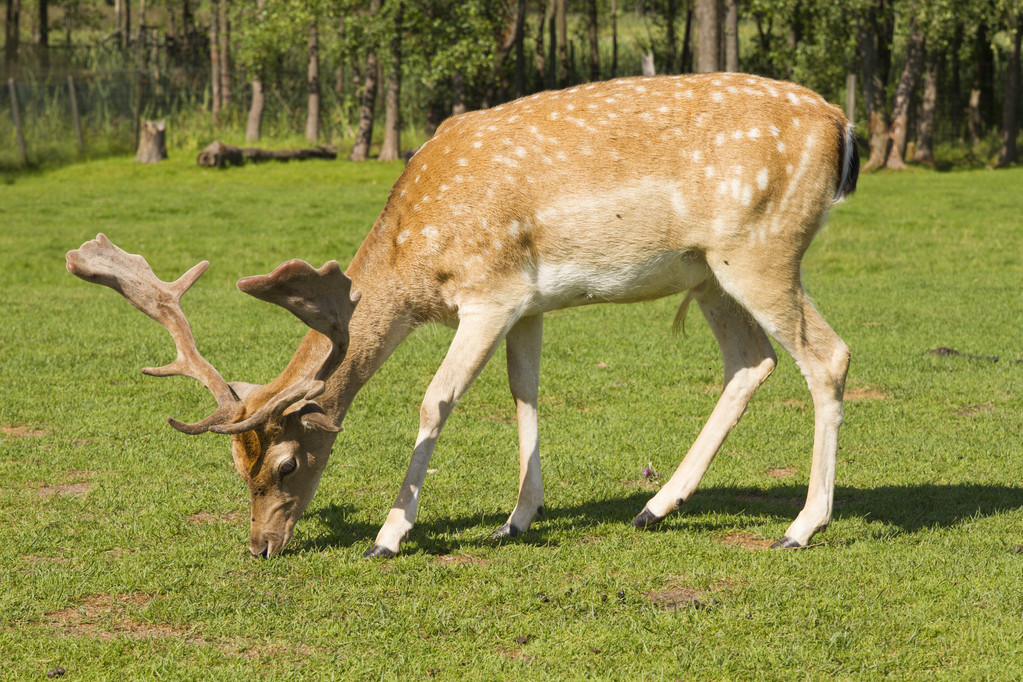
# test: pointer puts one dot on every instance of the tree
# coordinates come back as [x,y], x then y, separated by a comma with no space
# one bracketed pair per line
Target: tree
[708,26]
[312,119]
[867,33]
[225,55]
[562,42]
[591,10]
[43,37]
[731,35]
[12,31]
[360,150]
[215,82]
[907,84]
[1010,107]
[391,149]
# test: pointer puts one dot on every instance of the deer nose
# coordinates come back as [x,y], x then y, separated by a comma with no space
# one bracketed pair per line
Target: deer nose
[262,554]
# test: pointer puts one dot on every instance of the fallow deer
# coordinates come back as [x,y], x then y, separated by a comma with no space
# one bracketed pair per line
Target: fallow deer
[627,190]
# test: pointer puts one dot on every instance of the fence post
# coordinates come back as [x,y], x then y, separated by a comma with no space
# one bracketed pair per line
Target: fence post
[16,115]
[74,113]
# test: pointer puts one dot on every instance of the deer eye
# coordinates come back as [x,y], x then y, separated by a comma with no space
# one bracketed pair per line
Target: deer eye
[288,467]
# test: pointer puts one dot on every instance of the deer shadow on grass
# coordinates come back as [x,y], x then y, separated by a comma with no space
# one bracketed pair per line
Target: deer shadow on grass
[908,508]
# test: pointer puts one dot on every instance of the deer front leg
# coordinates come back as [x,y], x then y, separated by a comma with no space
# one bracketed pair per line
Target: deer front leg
[749,360]
[475,341]
[523,344]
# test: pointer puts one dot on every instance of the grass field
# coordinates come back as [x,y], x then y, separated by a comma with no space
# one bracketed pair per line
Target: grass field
[125,543]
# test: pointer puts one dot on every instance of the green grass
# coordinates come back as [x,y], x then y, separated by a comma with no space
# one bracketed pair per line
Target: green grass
[124,542]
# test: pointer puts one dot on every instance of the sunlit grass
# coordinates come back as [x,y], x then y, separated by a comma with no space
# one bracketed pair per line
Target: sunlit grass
[125,542]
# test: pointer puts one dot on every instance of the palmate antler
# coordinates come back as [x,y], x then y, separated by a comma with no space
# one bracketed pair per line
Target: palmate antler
[320,298]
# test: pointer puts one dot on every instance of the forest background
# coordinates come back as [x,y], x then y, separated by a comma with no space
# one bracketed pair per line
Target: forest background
[934,82]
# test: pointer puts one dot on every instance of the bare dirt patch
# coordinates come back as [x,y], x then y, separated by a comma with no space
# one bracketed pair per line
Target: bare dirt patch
[106,616]
[459,560]
[746,541]
[204,518]
[974,410]
[854,393]
[783,472]
[21,431]
[677,596]
[76,484]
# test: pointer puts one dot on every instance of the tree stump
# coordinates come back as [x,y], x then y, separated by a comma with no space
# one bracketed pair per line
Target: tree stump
[152,142]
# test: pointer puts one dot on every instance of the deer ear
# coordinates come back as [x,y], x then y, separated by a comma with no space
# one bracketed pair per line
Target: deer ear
[320,422]
[243,389]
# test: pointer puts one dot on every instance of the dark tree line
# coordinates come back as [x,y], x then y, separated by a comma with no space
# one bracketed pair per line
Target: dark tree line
[922,70]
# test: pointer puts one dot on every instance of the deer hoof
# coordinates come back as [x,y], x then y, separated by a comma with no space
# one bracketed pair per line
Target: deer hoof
[379,552]
[646,519]
[505,531]
[786,543]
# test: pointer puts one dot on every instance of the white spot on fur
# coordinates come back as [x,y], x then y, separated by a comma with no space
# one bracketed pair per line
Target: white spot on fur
[795,122]
[444,188]
[775,131]
[754,133]
[458,178]
[520,152]
[709,171]
[430,232]
[789,169]
[781,146]
[762,179]
[463,162]
[402,236]
[719,139]
[477,144]
[717,96]
[737,135]
[792,97]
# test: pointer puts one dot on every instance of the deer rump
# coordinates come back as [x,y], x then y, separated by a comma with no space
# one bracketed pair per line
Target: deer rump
[621,191]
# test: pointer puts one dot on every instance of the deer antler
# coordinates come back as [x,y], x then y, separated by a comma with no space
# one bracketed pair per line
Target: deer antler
[320,298]
[101,262]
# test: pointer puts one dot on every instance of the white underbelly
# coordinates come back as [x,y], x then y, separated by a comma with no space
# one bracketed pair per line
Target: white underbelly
[561,285]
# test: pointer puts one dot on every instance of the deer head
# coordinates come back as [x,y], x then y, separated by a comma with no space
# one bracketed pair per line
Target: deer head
[281,435]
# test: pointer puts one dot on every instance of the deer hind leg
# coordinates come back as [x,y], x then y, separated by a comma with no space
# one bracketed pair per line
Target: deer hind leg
[779,303]
[477,337]
[523,344]
[748,360]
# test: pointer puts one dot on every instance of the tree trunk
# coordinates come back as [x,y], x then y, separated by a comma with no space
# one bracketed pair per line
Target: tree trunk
[152,142]
[504,48]
[1010,108]
[520,51]
[614,38]
[591,6]
[458,105]
[187,26]
[976,118]
[225,56]
[903,94]
[731,35]
[254,127]
[360,151]
[312,118]
[550,15]
[708,26]
[562,42]
[43,39]
[215,66]
[339,74]
[12,34]
[539,61]
[670,19]
[127,23]
[686,63]
[392,116]
[925,135]
[118,21]
[873,92]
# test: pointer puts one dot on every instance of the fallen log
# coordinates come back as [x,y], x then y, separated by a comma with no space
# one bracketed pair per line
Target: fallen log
[220,155]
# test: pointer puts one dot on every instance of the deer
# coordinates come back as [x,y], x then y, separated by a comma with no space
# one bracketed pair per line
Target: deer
[710,187]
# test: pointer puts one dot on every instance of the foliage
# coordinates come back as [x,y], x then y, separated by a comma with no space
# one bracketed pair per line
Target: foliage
[124,541]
